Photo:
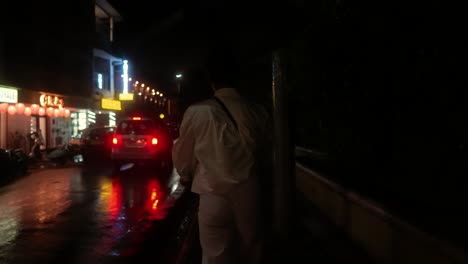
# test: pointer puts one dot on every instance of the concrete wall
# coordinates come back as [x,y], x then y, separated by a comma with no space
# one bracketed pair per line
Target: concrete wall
[385,238]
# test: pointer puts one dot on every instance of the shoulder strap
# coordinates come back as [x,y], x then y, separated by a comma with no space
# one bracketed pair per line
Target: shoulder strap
[226,111]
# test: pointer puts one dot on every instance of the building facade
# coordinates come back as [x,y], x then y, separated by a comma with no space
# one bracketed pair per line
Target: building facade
[108,69]
[56,68]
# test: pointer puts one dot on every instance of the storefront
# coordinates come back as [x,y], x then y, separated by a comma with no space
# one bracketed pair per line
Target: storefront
[8,97]
[107,113]
[23,112]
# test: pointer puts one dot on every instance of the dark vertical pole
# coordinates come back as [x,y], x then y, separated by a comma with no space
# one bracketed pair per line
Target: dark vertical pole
[2,59]
[282,177]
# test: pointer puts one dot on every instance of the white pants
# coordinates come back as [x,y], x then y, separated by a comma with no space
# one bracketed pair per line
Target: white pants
[229,226]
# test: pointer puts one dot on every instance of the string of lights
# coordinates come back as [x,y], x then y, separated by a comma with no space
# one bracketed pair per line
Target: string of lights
[144,93]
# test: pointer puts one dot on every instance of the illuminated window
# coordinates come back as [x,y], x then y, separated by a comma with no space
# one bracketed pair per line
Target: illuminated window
[99,80]
[82,120]
[112,119]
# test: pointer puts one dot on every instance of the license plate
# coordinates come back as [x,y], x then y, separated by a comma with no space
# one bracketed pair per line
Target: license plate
[136,144]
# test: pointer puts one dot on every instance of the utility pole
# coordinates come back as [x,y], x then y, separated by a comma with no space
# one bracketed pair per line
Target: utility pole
[283,176]
[2,59]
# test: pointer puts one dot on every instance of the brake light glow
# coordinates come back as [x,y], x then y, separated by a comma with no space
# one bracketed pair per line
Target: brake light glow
[115,141]
[136,118]
[154,141]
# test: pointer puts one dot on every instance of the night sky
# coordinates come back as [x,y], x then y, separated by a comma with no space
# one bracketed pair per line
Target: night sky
[141,39]
[161,38]
[165,37]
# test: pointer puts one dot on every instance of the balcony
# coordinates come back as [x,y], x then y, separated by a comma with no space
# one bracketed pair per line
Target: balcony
[105,16]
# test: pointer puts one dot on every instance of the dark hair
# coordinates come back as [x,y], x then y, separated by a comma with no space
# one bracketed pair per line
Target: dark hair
[223,67]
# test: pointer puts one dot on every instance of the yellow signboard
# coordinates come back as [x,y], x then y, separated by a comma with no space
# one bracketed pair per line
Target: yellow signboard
[111,104]
[126,97]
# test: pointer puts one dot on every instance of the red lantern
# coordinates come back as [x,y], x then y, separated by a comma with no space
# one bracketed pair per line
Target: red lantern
[27,111]
[20,108]
[12,110]
[41,111]
[34,109]
[56,113]
[3,107]
[50,112]
[61,112]
[67,113]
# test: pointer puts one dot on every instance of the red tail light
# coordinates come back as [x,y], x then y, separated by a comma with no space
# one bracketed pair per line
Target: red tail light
[115,141]
[154,141]
[136,118]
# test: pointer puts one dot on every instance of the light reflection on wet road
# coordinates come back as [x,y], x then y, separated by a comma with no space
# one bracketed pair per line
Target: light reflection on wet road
[79,214]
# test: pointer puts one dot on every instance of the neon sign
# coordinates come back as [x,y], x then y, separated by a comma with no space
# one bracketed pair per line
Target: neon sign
[51,101]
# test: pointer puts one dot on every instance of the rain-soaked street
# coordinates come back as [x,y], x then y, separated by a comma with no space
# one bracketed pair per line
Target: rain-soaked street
[84,215]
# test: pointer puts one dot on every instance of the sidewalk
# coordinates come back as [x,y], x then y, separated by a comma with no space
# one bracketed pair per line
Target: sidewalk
[45,164]
[314,238]
[317,239]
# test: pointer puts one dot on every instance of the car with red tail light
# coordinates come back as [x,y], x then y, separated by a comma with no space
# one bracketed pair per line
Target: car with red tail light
[141,139]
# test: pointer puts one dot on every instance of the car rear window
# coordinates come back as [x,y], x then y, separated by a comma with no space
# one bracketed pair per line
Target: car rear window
[138,127]
[100,132]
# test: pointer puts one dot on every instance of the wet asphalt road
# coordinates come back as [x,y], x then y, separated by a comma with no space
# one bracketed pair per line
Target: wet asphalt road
[83,214]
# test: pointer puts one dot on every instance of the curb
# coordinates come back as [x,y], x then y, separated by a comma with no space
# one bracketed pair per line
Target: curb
[187,244]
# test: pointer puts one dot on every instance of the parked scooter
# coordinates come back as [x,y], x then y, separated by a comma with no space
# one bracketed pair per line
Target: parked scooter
[13,163]
[21,160]
[36,147]
[64,153]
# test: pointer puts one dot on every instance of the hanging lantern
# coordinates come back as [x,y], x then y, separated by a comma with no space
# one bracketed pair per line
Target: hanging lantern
[27,111]
[20,108]
[12,110]
[67,113]
[34,109]
[56,113]
[50,112]
[41,111]
[3,107]
[61,112]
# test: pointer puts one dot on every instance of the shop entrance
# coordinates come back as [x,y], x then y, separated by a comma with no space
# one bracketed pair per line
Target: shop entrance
[39,124]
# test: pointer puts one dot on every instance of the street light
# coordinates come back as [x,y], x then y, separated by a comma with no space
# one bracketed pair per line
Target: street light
[178,79]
